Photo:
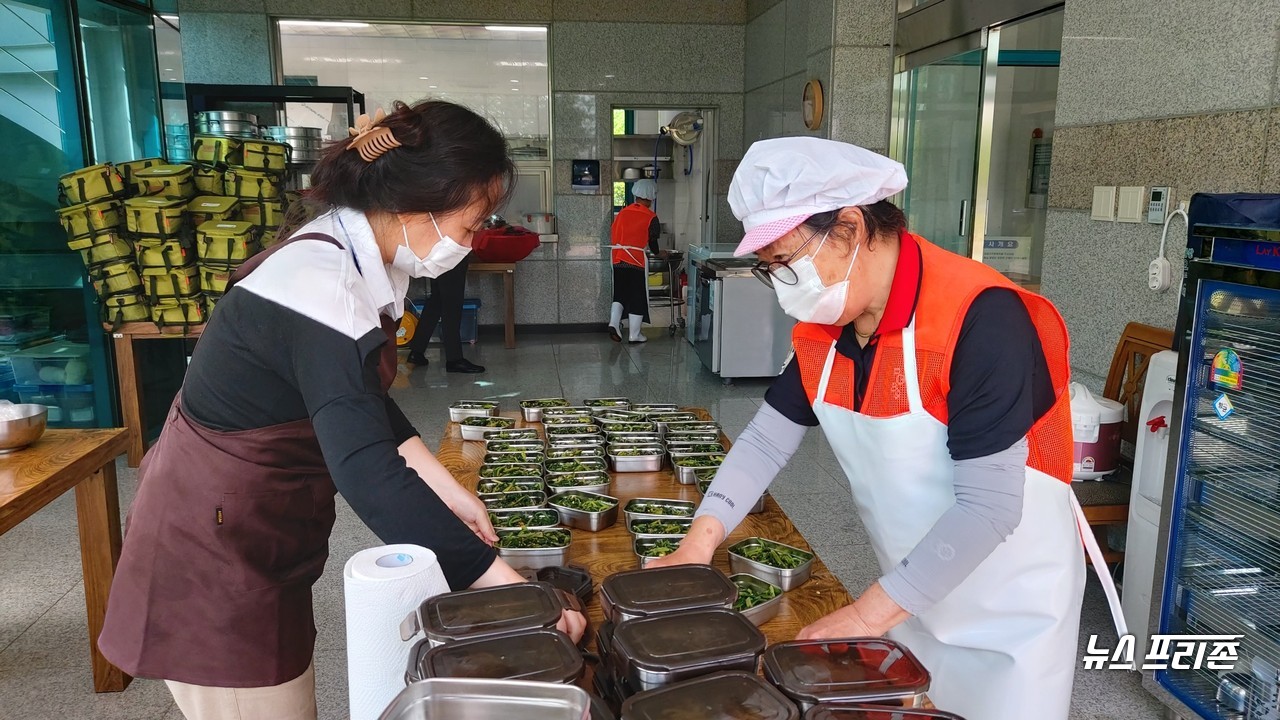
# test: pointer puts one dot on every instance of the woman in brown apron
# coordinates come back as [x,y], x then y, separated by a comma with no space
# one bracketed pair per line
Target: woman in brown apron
[284,405]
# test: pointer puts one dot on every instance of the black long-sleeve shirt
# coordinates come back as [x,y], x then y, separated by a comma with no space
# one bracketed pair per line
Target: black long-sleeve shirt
[301,337]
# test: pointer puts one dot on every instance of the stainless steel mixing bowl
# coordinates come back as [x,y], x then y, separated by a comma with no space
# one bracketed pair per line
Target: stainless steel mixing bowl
[19,433]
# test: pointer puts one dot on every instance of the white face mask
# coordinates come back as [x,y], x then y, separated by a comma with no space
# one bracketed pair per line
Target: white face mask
[809,300]
[443,256]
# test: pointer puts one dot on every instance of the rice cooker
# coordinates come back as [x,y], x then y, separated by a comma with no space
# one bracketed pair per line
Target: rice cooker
[1096,423]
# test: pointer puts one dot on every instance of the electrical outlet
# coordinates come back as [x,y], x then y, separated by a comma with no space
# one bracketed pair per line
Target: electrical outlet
[1104,202]
[1159,275]
[1131,204]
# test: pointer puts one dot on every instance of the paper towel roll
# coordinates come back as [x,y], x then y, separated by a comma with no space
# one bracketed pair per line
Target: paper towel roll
[382,585]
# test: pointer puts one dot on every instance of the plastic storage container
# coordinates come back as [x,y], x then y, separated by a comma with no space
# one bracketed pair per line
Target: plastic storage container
[879,671]
[659,650]
[19,325]
[474,699]
[539,655]
[681,588]
[722,696]
[569,578]
[472,614]
[55,363]
[69,405]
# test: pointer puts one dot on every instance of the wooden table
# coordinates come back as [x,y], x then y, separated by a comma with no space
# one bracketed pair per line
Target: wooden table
[508,272]
[129,385]
[85,460]
[610,550]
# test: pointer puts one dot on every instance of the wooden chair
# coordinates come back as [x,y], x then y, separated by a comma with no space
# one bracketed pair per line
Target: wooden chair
[1106,502]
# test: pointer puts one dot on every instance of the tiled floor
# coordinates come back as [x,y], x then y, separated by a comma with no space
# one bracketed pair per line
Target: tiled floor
[44,670]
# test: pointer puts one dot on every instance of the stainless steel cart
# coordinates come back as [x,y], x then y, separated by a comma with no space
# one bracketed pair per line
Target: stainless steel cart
[668,292]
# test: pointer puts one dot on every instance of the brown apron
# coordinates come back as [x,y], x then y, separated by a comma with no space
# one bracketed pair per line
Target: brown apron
[227,534]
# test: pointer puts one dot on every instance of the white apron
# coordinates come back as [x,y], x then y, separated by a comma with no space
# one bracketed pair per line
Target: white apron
[1002,645]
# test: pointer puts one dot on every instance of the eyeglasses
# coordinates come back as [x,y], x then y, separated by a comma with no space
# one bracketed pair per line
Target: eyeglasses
[767,272]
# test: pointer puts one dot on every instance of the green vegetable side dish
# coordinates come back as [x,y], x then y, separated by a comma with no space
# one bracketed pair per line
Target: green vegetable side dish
[573,430]
[544,403]
[752,595]
[582,502]
[578,480]
[660,527]
[501,471]
[474,405]
[514,500]
[616,427]
[638,452]
[504,486]
[656,509]
[608,402]
[699,448]
[707,474]
[525,434]
[493,422]
[570,453]
[701,461]
[660,548]
[534,518]
[573,466]
[528,457]
[703,485]
[566,420]
[529,539]
[774,556]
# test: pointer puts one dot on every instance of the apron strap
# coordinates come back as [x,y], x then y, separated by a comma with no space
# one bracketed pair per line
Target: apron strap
[1100,567]
[910,376]
[826,374]
[633,251]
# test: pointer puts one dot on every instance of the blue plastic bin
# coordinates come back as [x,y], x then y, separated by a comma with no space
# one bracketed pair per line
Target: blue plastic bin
[470,319]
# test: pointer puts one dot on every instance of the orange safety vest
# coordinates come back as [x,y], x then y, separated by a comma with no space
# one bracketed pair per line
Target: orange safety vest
[631,228]
[949,284]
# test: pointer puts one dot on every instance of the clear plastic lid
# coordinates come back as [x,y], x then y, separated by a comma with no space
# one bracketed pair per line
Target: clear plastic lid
[682,587]
[539,655]
[491,611]
[854,670]
[874,712]
[685,640]
[722,696]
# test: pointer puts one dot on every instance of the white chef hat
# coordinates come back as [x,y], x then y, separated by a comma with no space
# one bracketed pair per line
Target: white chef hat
[781,182]
[646,189]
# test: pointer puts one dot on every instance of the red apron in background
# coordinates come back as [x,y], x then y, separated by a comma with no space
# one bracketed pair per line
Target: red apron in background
[227,534]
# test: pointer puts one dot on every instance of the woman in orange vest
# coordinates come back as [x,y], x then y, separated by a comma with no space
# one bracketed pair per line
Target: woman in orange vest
[941,388]
[635,228]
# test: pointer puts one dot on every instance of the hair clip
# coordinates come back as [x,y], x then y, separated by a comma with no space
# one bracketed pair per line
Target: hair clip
[370,139]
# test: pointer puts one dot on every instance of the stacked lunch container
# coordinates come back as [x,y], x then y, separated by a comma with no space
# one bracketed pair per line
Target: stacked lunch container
[241,178]
[156,220]
[667,625]
[93,217]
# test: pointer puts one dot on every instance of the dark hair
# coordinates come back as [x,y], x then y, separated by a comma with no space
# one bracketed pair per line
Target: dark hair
[880,218]
[448,158]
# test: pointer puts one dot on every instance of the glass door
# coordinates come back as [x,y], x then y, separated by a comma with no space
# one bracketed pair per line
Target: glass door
[939,108]
[1018,146]
[975,133]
